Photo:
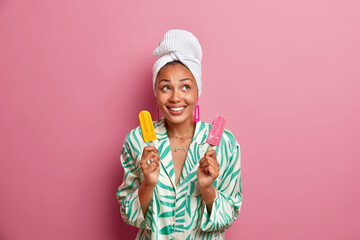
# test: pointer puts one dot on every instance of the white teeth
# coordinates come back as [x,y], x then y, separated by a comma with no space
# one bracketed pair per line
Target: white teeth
[177,109]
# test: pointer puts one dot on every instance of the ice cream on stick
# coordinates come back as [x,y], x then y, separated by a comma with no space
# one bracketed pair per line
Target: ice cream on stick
[147,127]
[216,131]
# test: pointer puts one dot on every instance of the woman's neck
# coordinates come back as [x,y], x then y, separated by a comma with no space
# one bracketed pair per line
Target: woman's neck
[180,129]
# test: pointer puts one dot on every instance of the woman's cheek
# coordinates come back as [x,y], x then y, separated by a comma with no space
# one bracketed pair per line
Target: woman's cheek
[191,99]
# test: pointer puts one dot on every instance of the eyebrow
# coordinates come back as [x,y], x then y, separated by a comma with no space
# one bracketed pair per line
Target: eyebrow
[181,80]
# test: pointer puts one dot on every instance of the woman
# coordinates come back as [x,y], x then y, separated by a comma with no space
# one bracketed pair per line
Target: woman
[178,188]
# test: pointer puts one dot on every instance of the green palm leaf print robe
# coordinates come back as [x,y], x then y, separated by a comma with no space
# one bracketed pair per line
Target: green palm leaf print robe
[176,211]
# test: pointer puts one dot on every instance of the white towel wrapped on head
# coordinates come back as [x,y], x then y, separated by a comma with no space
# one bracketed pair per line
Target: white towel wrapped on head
[183,46]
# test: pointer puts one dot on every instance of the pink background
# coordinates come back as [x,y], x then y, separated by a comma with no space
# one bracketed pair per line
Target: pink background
[76,73]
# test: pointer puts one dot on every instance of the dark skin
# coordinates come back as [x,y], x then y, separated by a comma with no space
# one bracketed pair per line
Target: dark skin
[151,176]
[176,93]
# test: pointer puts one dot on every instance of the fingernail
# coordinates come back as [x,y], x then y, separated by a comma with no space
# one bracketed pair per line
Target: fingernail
[157,150]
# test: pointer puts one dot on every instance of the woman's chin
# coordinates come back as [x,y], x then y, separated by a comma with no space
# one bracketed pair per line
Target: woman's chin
[177,119]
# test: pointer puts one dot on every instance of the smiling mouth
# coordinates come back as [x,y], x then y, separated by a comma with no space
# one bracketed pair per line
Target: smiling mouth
[176,109]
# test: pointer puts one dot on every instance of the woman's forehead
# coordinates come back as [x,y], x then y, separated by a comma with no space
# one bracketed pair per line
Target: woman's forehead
[175,73]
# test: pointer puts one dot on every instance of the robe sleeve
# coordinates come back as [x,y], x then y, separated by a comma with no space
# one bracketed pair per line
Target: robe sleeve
[226,208]
[127,193]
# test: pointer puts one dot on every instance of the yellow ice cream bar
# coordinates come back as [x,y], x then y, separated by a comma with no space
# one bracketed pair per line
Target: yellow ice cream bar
[147,126]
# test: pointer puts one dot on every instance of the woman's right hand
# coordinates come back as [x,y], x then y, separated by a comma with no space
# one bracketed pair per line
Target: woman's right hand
[151,171]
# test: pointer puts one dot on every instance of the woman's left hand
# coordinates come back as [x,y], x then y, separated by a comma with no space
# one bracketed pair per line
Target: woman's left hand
[208,169]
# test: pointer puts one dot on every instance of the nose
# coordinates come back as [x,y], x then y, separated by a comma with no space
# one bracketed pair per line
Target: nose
[175,96]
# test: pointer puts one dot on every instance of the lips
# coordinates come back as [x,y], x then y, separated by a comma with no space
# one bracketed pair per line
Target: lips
[176,110]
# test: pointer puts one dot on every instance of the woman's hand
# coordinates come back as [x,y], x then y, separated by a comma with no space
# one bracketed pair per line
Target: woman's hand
[151,171]
[208,170]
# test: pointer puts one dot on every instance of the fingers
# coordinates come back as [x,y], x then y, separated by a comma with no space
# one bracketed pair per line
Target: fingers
[149,149]
[149,152]
[153,166]
[212,171]
[211,153]
[150,155]
[210,157]
[150,160]
[209,164]
[150,168]
[206,164]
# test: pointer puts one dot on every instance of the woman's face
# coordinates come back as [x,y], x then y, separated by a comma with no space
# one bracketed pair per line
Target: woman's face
[176,92]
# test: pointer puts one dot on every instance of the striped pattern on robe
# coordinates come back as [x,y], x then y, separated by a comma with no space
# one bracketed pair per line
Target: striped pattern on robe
[176,210]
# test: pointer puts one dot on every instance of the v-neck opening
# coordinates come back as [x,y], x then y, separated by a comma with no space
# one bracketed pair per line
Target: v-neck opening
[167,160]
[181,177]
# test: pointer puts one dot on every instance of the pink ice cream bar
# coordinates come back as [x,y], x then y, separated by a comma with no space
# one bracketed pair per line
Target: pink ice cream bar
[216,131]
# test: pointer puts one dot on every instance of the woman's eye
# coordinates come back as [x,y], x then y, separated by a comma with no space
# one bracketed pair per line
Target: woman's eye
[186,87]
[166,88]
